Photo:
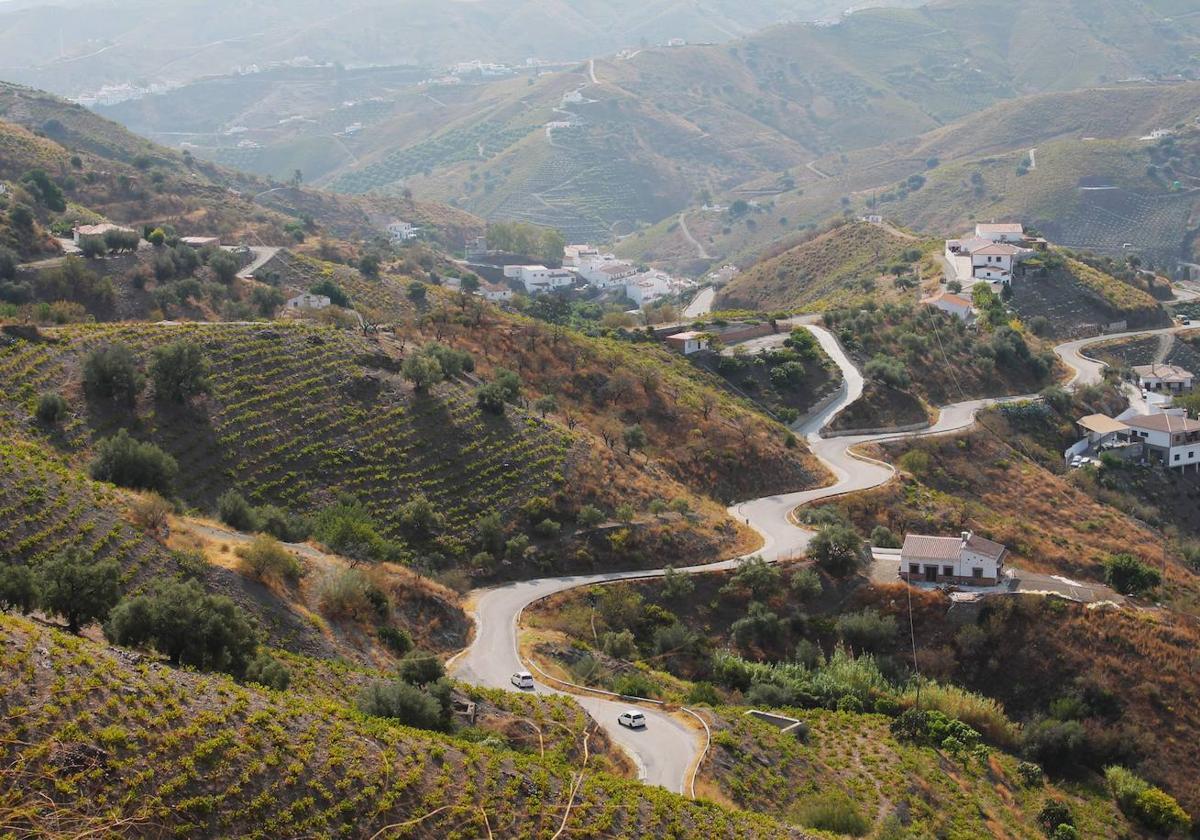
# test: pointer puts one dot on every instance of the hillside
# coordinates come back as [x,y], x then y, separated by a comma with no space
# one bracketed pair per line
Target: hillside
[1085,138]
[141,749]
[106,172]
[712,119]
[361,33]
[828,271]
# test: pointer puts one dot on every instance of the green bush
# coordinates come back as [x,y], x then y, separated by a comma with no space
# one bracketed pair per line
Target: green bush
[236,512]
[833,811]
[126,462]
[343,594]
[111,372]
[264,559]
[421,669]
[882,537]
[17,588]
[79,590]
[179,371]
[1149,805]
[187,625]
[268,671]
[619,644]
[1054,813]
[405,703]
[52,408]
[635,684]
[1127,574]
[867,630]
[806,585]
[837,549]
[397,640]
[589,516]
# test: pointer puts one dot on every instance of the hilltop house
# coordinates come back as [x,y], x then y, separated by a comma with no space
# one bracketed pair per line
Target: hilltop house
[1168,437]
[688,342]
[1163,379]
[308,301]
[965,559]
[990,255]
[953,304]
[647,287]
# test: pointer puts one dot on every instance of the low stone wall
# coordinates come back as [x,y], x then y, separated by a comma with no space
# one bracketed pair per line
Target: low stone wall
[895,430]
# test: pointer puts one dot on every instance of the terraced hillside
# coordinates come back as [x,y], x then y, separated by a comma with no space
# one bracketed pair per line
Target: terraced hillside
[298,415]
[103,745]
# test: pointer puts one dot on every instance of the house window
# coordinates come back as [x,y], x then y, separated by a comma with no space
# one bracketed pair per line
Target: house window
[976,572]
[914,569]
[947,571]
[1176,456]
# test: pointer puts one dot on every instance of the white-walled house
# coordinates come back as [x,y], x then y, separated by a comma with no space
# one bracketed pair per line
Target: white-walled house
[952,304]
[647,287]
[1169,438]
[577,256]
[537,278]
[1010,232]
[965,559]
[308,301]
[1163,379]
[604,272]
[495,292]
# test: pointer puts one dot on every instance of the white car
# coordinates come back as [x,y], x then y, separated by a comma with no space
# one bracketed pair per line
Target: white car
[522,679]
[632,719]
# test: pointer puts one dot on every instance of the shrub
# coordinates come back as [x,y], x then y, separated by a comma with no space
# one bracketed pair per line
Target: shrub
[1055,745]
[264,559]
[80,591]
[867,630]
[806,585]
[882,537]
[619,644]
[188,625]
[419,518]
[282,525]
[8,264]
[1149,805]
[677,586]
[52,408]
[1029,774]
[932,728]
[224,265]
[547,529]
[759,627]
[421,370]
[17,588]
[1127,574]
[837,549]
[421,669]
[704,692]
[589,516]
[680,505]
[126,462]
[111,372]
[635,684]
[343,594]
[887,370]
[404,703]
[833,811]
[268,671]
[754,578]
[490,398]
[397,640]
[236,512]
[180,371]
[150,512]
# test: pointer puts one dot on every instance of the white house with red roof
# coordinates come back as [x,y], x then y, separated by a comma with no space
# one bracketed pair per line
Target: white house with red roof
[966,559]
[952,304]
[990,255]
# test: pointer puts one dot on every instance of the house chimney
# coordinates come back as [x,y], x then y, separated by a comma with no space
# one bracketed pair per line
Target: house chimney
[966,535]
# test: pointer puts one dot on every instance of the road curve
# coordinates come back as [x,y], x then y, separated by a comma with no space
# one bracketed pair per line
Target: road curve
[667,749]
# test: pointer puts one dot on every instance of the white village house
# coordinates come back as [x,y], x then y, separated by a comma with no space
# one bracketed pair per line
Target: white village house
[1163,379]
[953,304]
[538,278]
[606,272]
[308,301]
[495,292]
[1010,232]
[965,559]
[648,287]
[1167,436]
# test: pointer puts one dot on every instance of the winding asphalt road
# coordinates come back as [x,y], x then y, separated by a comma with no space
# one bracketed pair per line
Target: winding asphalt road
[668,748]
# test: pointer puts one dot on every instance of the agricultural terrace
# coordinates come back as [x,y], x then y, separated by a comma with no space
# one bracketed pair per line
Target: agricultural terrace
[100,745]
[697,434]
[298,414]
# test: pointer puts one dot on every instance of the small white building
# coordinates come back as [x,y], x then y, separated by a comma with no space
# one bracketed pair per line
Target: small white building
[604,272]
[648,287]
[495,292]
[402,231]
[688,342]
[965,559]
[990,257]
[308,301]
[1010,232]
[537,278]
[577,256]
[952,304]
[1163,379]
